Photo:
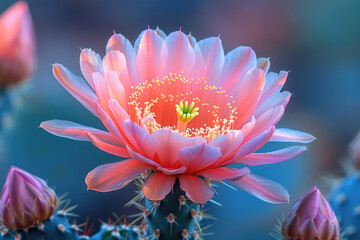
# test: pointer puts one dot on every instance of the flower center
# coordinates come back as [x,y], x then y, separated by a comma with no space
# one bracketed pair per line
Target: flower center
[201,109]
[185,114]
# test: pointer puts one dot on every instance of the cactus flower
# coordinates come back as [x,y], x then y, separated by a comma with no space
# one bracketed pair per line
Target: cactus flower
[355,151]
[182,109]
[26,200]
[311,218]
[17,45]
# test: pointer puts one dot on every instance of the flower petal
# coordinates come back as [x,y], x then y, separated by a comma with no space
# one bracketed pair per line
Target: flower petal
[273,84]
[149,64]
[139,139]
[264,64]
[249,93]
[212,51]
[114,61]
[224,173]
[90,62]
[252,145]
[169,142]
[291,135]
[237,63]
[169,171]
[75,131]
[108,147]
[263,188]
[197,190]
[116,89]
[274,100]
[101,89]
[199,156]
[158,185]
[76,86]
[179,54]
[109,123]
[228,143]
[118,42]
[113,176]
[140,157]
[266,120]
[255,159]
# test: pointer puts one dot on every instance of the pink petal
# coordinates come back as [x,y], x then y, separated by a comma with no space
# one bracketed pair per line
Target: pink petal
[76,86]
[119,113]
[228,143]
[272,101]
[116,89]
[119,86]
[118,42]
[108,147]
[90,62]
[109,123]
[169,171]
[148,61]
[101,89]
[253,144]
[199,156]
[179,54]
[113,176]
[160,33]
[140,157]
[273,84]
[213,54]
[249,93]
[169,143]
[158,185]
[264,64]
[114,61]
[263,188]
[237,63]
[143,142]
[75,131]
[266,120]
[224,173]
[290,135]
[197,190]
[255,159]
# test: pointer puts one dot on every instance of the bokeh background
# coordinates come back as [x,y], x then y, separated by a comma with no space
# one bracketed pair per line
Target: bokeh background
[319,41]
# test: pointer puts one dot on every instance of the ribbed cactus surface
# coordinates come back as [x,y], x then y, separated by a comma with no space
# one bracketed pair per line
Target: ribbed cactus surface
[345,201]
[55,228]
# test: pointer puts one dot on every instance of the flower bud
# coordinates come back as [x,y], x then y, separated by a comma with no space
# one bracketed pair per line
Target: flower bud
[26,200]
[17,45]
[311,218]
[355,151]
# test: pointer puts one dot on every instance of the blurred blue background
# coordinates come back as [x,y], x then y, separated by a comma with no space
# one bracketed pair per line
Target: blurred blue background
[317,40]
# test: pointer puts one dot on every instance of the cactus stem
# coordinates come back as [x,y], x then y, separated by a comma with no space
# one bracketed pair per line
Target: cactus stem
[182,201]
[154,205]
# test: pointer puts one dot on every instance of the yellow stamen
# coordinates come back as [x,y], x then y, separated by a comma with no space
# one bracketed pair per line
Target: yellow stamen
[185,114]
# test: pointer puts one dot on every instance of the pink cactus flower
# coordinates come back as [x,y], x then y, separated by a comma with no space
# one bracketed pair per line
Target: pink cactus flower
[182,109]
[17,45]
[355,151]
[311,218]
[26,200]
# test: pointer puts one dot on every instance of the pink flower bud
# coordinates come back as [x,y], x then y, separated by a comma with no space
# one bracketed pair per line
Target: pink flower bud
[26,200]
[17,45]
[355,151]
[311,218]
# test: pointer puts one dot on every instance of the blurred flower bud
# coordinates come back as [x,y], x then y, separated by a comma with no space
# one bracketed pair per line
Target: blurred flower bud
[17,45]
[26,200]
[311,218]
[355,151]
